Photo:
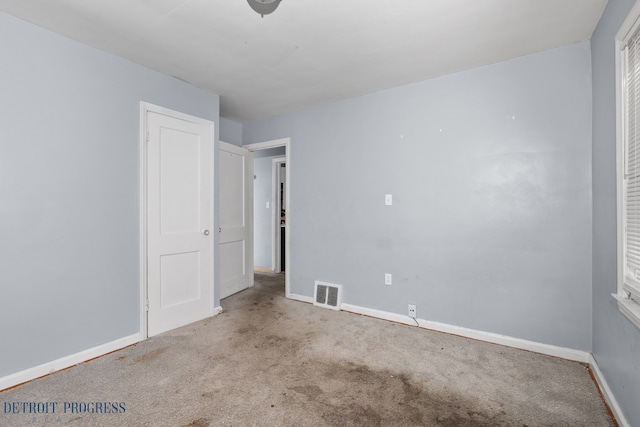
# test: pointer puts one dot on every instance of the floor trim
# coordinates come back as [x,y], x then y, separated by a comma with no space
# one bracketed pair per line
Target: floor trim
[302,298]
[607,393]
[551,350]
[64,362]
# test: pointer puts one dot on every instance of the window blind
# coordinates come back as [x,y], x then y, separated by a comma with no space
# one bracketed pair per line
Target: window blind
[632,169]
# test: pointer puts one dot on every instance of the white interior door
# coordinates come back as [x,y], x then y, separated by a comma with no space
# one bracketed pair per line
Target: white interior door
[179,220]
[236,219]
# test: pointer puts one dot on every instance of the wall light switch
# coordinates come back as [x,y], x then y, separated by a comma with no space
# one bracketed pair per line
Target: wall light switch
[388,199]
[267,205]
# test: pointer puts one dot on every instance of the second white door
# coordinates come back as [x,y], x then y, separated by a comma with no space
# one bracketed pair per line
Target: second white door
[236,219]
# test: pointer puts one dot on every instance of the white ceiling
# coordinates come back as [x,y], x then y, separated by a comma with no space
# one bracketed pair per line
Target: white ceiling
[312,51]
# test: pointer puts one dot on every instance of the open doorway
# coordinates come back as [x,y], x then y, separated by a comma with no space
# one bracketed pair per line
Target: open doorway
[279,215]
[272,214]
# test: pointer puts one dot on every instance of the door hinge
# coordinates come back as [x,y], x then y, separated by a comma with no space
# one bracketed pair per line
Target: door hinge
[147,136]
[146,305]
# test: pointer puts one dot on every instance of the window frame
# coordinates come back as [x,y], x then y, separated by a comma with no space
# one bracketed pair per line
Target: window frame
[628,288]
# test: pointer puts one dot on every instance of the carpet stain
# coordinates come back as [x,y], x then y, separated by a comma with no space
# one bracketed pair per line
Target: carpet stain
[152,355]
[210,394]
[344,393]
[352,415]
[273,340]
[311,391]
[200,422]
[357,395]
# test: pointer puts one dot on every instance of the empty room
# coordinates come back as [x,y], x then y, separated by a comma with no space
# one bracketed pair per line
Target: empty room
[336,213]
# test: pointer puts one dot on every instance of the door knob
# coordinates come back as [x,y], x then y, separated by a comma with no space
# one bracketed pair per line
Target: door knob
[206,232]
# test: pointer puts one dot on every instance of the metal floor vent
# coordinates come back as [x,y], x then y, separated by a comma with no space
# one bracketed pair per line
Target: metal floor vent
[327,295]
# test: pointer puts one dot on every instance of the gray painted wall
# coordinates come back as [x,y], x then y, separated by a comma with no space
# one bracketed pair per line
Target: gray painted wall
[616,341]
[263,216]
[490,171]
[230,132]
[69,191]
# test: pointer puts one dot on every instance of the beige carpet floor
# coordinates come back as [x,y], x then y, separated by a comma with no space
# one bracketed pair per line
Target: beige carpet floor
[269,361]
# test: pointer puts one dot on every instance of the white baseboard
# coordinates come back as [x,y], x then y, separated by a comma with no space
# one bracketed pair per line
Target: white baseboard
[548,349]
[302,298]
[379,314]
[65,362]
[551,350]
[608,394]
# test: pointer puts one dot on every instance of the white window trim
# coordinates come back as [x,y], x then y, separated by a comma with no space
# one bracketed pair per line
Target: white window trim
[628,295]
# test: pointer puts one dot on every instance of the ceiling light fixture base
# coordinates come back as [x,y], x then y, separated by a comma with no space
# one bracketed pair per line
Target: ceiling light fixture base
[264,7]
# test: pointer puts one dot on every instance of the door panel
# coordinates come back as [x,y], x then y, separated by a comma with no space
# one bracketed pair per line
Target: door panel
[236,213]
[180,279]
[180,181]
[179,194]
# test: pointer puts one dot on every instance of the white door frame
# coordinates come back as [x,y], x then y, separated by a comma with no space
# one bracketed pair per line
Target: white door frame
[145,108]
[275,220]
[283,142]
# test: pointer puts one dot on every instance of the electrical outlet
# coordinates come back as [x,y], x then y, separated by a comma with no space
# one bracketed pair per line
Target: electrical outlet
[387,279]
[388,199]
[412,310]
